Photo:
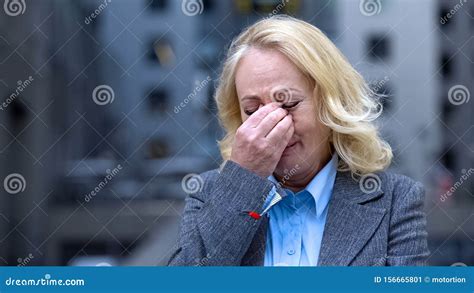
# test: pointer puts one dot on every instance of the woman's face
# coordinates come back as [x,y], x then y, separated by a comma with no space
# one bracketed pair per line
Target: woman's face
[264,76]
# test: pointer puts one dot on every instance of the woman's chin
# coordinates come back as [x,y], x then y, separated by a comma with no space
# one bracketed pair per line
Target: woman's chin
[287,164]
[290,150]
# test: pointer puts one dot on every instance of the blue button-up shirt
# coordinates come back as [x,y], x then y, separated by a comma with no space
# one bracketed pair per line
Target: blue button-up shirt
[296,222]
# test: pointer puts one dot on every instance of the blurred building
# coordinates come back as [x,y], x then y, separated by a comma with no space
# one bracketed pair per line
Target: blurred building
[452,220]
[414,53]
[123,90]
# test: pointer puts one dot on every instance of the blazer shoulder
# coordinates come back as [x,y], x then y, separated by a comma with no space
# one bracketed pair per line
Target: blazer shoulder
[401,192]
[400,184]
[209,176]
[207,180]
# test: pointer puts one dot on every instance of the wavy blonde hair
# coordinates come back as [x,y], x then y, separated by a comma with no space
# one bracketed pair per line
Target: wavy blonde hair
[344,101]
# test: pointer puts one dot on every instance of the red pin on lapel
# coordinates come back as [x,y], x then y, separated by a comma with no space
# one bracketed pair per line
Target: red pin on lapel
[254,215]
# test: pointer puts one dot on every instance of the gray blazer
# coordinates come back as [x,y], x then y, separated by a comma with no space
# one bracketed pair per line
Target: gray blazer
[384,227]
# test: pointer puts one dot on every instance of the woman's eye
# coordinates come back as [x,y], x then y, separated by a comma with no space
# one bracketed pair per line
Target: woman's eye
[290,105]
[250,111]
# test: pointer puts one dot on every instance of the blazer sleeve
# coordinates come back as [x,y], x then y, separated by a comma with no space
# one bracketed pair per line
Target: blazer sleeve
[216,229]
[407,240]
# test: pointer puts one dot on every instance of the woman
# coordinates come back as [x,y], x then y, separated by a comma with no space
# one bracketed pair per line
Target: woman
[302,182]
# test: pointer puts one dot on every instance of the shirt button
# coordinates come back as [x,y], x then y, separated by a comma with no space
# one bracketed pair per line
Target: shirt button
[291,251]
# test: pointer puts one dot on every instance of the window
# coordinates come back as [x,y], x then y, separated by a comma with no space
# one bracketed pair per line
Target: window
[159,100]
[446,65]
[378,47]
[157,5]
[158,148]
[162,52]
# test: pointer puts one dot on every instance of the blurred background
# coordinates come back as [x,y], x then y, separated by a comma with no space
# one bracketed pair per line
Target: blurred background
[106,110]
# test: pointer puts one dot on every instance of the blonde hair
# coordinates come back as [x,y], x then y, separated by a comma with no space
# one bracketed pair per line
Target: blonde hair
[345,103]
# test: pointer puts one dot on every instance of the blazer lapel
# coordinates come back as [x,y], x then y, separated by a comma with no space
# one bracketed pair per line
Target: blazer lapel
[349,224]
[256,253]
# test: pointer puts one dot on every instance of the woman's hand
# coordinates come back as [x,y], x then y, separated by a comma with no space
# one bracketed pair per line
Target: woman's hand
[262,138]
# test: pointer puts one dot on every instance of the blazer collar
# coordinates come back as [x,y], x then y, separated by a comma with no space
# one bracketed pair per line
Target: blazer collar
[349,224]
[320,187]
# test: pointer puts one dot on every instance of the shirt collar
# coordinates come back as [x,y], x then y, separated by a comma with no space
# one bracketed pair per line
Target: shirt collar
[321,186]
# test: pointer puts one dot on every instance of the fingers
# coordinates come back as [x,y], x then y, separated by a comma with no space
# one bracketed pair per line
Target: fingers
[282,132]
[289,133]
[261,113]
[270,121]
